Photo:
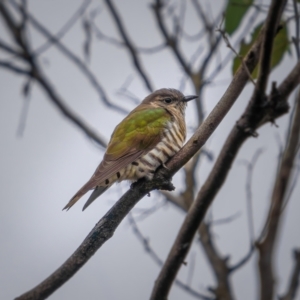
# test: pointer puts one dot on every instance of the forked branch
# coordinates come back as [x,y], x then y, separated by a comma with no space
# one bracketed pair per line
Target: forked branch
[108,224]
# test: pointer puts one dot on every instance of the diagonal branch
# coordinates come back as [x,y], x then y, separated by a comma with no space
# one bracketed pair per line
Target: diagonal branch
[267,244]
[37,74]
[219,264]
[294,280]
[65,28]
[15,69]
[75,59]
[49,89]
[9,49]
[145,242]
[238,135]
[108,224]
[296,40]
[171,41]
[129,45]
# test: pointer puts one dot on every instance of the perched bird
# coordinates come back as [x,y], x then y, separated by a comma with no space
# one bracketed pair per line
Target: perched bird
[147,138]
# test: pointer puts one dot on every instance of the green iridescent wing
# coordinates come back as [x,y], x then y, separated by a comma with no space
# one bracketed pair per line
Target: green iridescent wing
[137,134]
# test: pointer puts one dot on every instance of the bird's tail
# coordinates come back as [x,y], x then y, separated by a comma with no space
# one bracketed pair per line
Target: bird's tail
[95,194]
[72,201]
[98,191]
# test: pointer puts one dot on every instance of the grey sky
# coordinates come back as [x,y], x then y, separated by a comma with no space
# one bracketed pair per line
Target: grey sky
[41,171]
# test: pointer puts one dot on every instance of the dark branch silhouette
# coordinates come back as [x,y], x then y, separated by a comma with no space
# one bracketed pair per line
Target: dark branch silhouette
[145,242]
[37,74]
[75,59]
[266,244]
[245,128]
[129,45]
[198,70]
[106,226]
[291,292]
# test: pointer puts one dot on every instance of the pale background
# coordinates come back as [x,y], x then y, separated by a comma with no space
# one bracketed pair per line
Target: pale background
[43,168]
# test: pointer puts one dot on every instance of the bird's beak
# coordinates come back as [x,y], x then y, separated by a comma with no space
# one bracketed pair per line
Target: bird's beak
[189,98]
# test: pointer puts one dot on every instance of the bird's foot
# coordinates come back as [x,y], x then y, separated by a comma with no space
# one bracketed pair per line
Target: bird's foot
[134,184]
[165,166]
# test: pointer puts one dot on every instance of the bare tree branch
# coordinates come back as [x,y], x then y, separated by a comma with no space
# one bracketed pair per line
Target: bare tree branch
[202,16]
[101,36]
[171,41]
[266,245]
[145,242]
[103,231]
[242,35]
[296,40]
[26,91]
[15,69]
[76,60]
[260,110]
[228,44]
[108,224]
[206,194]
[129,45]
[219,265]
[294,280]
[242,261]
[40,78]
[67,26]
[8,49]
[250,167]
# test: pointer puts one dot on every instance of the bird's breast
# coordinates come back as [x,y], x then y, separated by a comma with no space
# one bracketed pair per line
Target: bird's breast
[172,139]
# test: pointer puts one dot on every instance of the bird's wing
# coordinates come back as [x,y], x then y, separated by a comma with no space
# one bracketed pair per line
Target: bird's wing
[136,135]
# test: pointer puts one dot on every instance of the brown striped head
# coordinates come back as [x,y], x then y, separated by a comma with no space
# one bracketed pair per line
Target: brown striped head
[170,99]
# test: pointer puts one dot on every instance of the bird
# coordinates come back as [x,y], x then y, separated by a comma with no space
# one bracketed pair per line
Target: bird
[147,138]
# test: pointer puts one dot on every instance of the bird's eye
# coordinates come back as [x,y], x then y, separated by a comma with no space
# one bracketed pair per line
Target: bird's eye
[168,100]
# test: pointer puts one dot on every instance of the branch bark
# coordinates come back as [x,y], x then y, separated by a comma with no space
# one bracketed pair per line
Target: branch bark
[129,45]
[108,224]
[219,265]
[36,73]
[294,281]
[245,128]
[266,247]
[70,55]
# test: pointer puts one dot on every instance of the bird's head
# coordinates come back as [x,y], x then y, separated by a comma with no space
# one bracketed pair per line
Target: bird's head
[170,99]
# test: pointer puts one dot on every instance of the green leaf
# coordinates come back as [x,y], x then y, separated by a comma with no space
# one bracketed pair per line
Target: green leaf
[244,48]
[281,45]
[235,11]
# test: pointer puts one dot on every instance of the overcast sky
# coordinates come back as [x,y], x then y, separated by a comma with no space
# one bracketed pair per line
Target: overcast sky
[44,164]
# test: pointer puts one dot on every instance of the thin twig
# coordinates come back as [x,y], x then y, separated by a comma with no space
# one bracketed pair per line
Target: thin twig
[218,263]
[15,69]
[293,285]
[225,220]
[206,194]
[250,167]
[9,49]
[296,40]
[75,59]
[24,111]
[129,45]
[295,179]
[228,44]
[108,224]
[37,74]
[228,57]
[145,242]
[266,246]
[65,28]
[171,41]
